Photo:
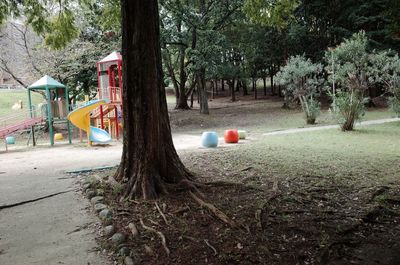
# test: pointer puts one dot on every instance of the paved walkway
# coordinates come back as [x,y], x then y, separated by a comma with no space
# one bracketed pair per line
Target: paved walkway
[326,127]
[42,232]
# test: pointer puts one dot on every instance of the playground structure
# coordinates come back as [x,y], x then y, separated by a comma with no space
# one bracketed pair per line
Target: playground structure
[55,110]
[105,112]
[109,76]
[80,117]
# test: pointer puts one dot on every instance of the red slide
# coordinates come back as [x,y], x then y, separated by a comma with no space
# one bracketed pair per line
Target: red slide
[8,129]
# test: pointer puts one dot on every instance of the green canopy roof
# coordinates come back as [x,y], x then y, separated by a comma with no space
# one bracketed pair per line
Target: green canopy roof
[46,81]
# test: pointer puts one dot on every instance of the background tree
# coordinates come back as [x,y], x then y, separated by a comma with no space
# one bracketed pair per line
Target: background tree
[351,61]
[384,69]
[303,82]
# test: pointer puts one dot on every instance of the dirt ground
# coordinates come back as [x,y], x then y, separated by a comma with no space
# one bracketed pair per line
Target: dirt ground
[276,215]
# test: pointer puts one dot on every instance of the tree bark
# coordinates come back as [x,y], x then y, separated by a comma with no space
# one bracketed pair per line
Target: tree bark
[238,85]
[271,74]
[201,88]
[245,91]
[150,164]
[255,87]
[265,85]
[232,89]
[182,100]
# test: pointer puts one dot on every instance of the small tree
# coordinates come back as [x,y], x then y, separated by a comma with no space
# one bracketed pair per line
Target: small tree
[303,83]
[349,61]
[384,69]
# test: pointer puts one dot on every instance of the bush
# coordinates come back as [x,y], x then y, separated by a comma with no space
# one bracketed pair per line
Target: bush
[348,107]
[303,82]
[394,104]
[349,61]
[384,70]
[312,109]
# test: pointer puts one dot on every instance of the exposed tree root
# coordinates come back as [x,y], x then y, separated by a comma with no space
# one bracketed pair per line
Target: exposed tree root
[210,246]
[133,229]
[33,200]
[217,212]
[259,214]
[161,213]
[230,184]
[160,234]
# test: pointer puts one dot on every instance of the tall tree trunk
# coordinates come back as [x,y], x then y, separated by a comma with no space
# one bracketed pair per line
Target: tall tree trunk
[182,100]
[271,75]
[265,85]
[149,163]
[171,74]
[201,88]
[238,85]
[245,91]
[232,89]
[222,85]
[192,98]
[255,87]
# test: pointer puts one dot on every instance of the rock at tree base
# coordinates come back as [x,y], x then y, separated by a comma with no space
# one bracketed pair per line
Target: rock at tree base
[118,238]
[124,251]
[128,261]
[105,214]
[90,193]
[99,207]
[96,199]
[109,230]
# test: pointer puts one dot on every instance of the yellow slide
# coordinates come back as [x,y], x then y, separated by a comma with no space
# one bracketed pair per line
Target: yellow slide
[81,119]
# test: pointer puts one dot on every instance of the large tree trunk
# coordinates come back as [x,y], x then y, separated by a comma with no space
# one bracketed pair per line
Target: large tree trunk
[201,88]
[271,75]
[265,85]
[254,87]
[182,100]
[245,92]
[232,90]
[149,164]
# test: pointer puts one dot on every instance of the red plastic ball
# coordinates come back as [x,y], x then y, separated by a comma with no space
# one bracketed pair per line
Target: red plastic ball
[231,136]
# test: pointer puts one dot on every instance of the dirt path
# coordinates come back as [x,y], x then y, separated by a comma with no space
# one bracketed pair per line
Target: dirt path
[326,127]
[42,232]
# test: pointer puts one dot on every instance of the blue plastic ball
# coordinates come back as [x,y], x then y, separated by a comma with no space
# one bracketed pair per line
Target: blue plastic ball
[10,140]
[209,139]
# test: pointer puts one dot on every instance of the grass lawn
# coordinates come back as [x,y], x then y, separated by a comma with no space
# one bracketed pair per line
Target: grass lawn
[257,117]
[323,197]
[9,97]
